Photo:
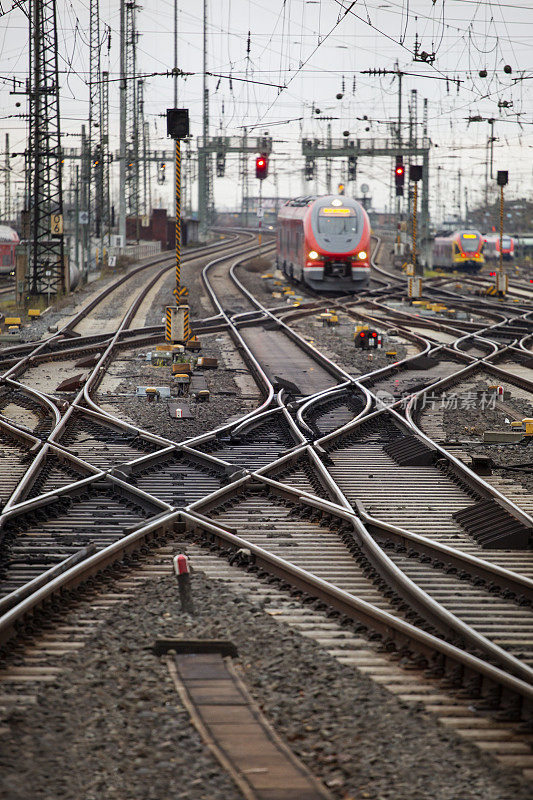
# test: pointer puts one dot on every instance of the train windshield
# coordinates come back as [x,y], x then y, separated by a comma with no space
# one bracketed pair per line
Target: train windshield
[470,242]
[337,221]
[506,242]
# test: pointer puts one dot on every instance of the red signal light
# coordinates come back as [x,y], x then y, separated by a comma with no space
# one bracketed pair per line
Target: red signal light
[261,167]
[492,274]
[374,334]
[362,334]
[399,175]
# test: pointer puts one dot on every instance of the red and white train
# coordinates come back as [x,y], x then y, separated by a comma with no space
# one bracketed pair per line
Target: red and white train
[324,242]
[9,239]
[491,249]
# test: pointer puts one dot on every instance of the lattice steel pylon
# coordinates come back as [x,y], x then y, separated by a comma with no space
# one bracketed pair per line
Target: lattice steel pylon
[144,147]
[105,221]
[46,264]
[7,182]
[132,130]
[96,177]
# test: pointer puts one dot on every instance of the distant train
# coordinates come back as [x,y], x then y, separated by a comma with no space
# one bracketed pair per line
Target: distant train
[462,250]
[491,249]
[324,242]
[9,239]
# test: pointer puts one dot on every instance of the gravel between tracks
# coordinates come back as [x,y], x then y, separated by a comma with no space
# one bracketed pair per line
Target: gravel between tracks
[470,423]
[111,726]
[335,342]
[227,384]
[71,305]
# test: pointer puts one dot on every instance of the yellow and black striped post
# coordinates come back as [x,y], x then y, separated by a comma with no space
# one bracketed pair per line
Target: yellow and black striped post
[178,219]
[168,324]
[186,324]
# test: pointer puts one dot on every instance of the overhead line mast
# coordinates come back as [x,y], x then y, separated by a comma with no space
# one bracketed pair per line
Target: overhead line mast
[205,180]
[46,264]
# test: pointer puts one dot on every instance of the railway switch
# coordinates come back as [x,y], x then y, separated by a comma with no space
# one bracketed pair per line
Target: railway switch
[177,323]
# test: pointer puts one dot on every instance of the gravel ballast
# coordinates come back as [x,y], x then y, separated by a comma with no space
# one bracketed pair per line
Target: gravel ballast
[470,422]
[232,391]
[111,725]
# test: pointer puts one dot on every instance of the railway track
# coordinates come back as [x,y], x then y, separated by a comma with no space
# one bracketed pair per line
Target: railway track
[320,486]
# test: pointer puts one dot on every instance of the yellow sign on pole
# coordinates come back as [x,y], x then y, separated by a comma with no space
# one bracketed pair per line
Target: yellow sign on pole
[56,224]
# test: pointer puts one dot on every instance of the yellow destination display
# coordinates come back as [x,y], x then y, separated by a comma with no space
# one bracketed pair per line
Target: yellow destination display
[469,236]
[338,212]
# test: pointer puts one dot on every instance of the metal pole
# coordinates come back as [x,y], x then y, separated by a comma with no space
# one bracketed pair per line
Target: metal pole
[491,146]
[501,230]
[415,199]
[85,177]
[35,143]
[400,76]
[487,175]
[7,184]
[178,219]
[328,163]
[424,207]
[77,229]
[260,212]
[203,178]
[178,154]
[175,53]
[122,176]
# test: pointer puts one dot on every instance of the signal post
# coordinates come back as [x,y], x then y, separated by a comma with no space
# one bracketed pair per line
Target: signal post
[261,172]
[177,328]
[502,279]
[414,282]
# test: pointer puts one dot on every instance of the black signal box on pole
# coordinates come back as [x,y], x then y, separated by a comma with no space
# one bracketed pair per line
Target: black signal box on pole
[502,178]
[415,172]
[178,123]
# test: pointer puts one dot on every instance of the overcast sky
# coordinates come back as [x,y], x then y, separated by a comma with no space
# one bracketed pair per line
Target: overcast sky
[311,50]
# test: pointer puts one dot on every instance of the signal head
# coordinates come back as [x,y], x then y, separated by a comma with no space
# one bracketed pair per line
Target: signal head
[261,167]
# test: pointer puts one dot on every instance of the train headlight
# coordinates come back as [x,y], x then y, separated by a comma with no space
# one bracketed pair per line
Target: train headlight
[362,255]
[313,255]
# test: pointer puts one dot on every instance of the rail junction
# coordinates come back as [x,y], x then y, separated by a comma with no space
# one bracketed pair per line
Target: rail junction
[334,499]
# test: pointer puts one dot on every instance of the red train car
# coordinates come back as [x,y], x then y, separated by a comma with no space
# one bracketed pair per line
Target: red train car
[491,249]
[9,239]
[324,242]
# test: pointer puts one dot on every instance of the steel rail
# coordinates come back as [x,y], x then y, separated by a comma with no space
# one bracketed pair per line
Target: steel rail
[81,572]
[418,599]
[237,483]
[102,295]
[97,372]
[392,628]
